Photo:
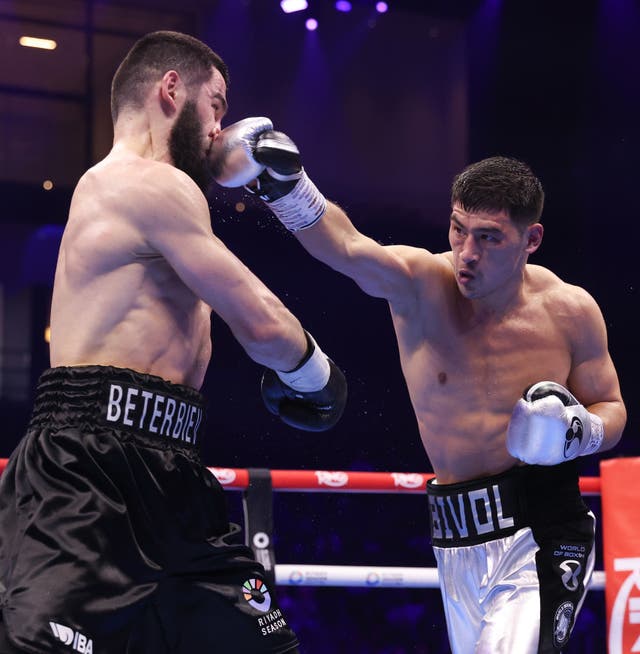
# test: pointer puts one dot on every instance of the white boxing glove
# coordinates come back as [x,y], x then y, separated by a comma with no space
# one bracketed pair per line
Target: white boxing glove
[231,155]
[549,426]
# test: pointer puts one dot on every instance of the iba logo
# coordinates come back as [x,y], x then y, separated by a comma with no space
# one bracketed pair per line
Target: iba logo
[624,624]
[74,639]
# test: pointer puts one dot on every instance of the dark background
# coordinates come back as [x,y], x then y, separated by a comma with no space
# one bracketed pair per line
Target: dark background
[386,110]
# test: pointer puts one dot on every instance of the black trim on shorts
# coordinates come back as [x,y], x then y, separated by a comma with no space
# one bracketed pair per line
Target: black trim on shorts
[477,511]
[124,400]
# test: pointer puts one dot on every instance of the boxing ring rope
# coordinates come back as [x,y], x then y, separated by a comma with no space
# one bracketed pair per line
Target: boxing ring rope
[310,481]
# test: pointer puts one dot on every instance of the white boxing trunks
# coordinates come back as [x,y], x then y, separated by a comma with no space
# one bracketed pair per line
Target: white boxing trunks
[515,555]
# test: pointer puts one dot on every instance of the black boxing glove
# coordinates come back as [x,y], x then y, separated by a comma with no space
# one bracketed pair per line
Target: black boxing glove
[310,397]
[283,184]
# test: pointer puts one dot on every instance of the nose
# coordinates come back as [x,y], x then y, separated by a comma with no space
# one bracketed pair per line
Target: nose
[470,252]
[215,132]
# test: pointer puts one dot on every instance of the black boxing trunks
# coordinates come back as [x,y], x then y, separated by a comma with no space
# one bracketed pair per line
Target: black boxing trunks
[114,538]
[515,555]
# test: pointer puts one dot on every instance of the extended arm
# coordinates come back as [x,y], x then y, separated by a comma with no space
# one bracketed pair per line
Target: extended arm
[322,227]
[181,233]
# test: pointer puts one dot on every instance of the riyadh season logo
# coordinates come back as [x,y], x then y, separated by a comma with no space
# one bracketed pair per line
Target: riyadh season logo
[73,639]
[256,594]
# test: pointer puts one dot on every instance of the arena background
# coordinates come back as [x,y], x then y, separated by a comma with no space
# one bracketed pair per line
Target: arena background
[386,108]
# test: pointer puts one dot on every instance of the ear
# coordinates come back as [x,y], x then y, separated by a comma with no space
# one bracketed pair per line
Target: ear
[170,88]
[534,237]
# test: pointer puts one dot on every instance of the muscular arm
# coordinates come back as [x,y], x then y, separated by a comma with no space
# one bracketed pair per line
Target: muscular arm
[593,378]
[380,271]
[177,226]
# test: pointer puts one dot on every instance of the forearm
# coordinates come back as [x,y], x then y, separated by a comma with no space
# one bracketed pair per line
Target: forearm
[270,334]
[332,240]
[614,416]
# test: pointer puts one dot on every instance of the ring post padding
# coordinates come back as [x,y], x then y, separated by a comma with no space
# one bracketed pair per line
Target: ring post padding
[257,502]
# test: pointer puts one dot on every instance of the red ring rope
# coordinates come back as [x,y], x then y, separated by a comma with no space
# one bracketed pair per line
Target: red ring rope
[339,481]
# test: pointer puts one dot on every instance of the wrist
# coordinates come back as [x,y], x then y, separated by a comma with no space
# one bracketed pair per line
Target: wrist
[596,435]
[312,373]
[302,207]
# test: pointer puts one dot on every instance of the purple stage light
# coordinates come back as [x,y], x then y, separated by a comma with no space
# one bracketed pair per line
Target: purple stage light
[382,7]
[289,6]
[311,24]
[343,5]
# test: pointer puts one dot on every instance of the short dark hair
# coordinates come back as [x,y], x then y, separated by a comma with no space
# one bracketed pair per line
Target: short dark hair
[152,56]
[500,184]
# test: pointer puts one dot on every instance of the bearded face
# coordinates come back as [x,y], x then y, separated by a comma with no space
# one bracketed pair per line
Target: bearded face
[186,146]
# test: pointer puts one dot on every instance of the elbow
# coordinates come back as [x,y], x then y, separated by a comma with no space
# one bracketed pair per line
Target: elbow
[277,341]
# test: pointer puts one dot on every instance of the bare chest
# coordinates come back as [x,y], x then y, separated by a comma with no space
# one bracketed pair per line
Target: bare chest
[487,365]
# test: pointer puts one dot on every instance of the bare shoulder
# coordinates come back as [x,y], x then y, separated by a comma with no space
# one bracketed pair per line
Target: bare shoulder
[420,262]
[158,193]
[564,299]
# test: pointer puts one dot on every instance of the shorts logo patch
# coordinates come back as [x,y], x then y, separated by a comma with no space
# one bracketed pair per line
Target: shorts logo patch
[256,594]
[562,623]
[570,562]
[571,574]
[74,639]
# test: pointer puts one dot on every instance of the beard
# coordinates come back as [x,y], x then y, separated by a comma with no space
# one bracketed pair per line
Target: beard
[185,147]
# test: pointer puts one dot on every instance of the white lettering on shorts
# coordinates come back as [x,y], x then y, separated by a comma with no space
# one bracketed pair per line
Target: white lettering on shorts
[156,413]
[468,514]
[71,638]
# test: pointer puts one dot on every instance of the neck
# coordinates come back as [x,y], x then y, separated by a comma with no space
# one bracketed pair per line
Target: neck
[138,133]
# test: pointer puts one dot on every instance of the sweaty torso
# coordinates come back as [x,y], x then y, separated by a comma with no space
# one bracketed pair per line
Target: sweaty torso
[465,369]
[116,301]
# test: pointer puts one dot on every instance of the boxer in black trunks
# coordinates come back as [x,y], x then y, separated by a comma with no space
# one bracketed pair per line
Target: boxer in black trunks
[114,537]
[510,377]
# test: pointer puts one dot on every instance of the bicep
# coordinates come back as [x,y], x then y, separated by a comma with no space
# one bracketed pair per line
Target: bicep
[593,375]
[379,270]
[182,235]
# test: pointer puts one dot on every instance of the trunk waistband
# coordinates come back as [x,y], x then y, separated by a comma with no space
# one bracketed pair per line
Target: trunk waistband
[493,507]
[120,399]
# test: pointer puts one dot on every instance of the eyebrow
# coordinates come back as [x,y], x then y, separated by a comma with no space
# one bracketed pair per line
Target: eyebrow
[486,230]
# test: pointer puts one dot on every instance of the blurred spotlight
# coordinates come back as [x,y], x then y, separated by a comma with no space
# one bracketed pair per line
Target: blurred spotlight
[34,42]
[311,24]
[240,207]
[47,185]
[47,334]
[381,7]
[289,6]
[343,5]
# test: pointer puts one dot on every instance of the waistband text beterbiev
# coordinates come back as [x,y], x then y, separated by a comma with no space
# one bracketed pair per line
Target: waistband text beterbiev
[155,413]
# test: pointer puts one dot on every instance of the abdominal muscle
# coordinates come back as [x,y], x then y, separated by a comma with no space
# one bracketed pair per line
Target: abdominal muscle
[139,316]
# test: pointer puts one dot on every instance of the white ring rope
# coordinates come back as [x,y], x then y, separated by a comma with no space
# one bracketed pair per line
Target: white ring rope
[372,576]
[360,482]
[357,482]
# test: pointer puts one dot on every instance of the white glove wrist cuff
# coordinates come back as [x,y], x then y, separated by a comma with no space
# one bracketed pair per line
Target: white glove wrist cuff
[312,376]
[300,208]
[596,435]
